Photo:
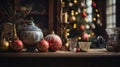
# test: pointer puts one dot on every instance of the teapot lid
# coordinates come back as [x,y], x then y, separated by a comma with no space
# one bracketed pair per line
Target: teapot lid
[31,27]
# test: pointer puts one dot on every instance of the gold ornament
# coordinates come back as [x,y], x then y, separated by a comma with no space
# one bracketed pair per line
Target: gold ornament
[4,45]
[72,18]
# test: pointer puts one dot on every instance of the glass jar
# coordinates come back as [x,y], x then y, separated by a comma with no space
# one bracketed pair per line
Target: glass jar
[113,43]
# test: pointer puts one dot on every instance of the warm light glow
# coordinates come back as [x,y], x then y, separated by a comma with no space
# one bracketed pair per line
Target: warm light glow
[68,34]
[89,35]
[67,44]
[75,25]
[94,19]
[79,38]
[70,4]
[72,18]
[63,4]
[92,33]
[98,15]
[86,19]
[72,12]
[75,1]
[76,13]
[85,10]
[96,10]
[87,26]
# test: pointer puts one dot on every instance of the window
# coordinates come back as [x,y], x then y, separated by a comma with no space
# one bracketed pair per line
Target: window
[89,10]
[111,13]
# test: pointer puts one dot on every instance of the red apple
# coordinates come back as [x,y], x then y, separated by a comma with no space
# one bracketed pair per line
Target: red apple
[43,45]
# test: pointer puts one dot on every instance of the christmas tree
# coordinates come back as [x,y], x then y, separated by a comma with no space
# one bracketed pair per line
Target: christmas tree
[80,20]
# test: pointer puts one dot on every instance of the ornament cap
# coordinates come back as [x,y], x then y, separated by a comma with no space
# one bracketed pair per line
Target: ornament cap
[53,32]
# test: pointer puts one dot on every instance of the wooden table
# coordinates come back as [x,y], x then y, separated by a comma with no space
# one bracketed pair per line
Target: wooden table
[92,58]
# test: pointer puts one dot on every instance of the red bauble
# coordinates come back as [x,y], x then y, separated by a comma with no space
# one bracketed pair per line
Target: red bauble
[83,14]
[82,27]
[85,37]
[17,45]
[55,42]
[77,49]
[43,45]
[94,4]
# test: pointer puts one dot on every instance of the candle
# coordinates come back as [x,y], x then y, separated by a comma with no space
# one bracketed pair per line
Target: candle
[65,17]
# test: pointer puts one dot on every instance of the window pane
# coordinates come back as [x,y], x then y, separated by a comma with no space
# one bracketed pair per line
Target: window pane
[114,18]
[109,2]
[111,13]
[114,1]
[109,10]
[114,9]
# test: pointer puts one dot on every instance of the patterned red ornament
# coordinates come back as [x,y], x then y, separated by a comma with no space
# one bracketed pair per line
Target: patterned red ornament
[82,27]
[55,42]
[43,45]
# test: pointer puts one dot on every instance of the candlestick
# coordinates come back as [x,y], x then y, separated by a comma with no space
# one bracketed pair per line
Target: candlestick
[65,17]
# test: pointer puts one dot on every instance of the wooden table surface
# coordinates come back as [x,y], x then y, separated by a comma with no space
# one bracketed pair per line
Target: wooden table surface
[92,58]
[90,53]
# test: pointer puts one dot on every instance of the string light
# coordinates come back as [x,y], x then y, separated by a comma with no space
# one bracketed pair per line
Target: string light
[98,15]
[75,1]
[76,13]
[75,25]
[92,34]
[94,19]
[70,4]
[96,10]
[79,38]
[89,35]
[86,19]
[72,12]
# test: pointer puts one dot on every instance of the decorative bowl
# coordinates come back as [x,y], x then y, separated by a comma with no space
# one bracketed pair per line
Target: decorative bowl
[84,46]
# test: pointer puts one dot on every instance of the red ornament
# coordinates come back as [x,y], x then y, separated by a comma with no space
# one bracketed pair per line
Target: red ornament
[43,45]
[77,49]
[83,14]
[82,27]
[55,42]
[94,4]
[17,45]
[85,37]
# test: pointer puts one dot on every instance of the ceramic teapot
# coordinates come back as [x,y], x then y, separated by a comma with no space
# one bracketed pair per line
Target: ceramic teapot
[30,34]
